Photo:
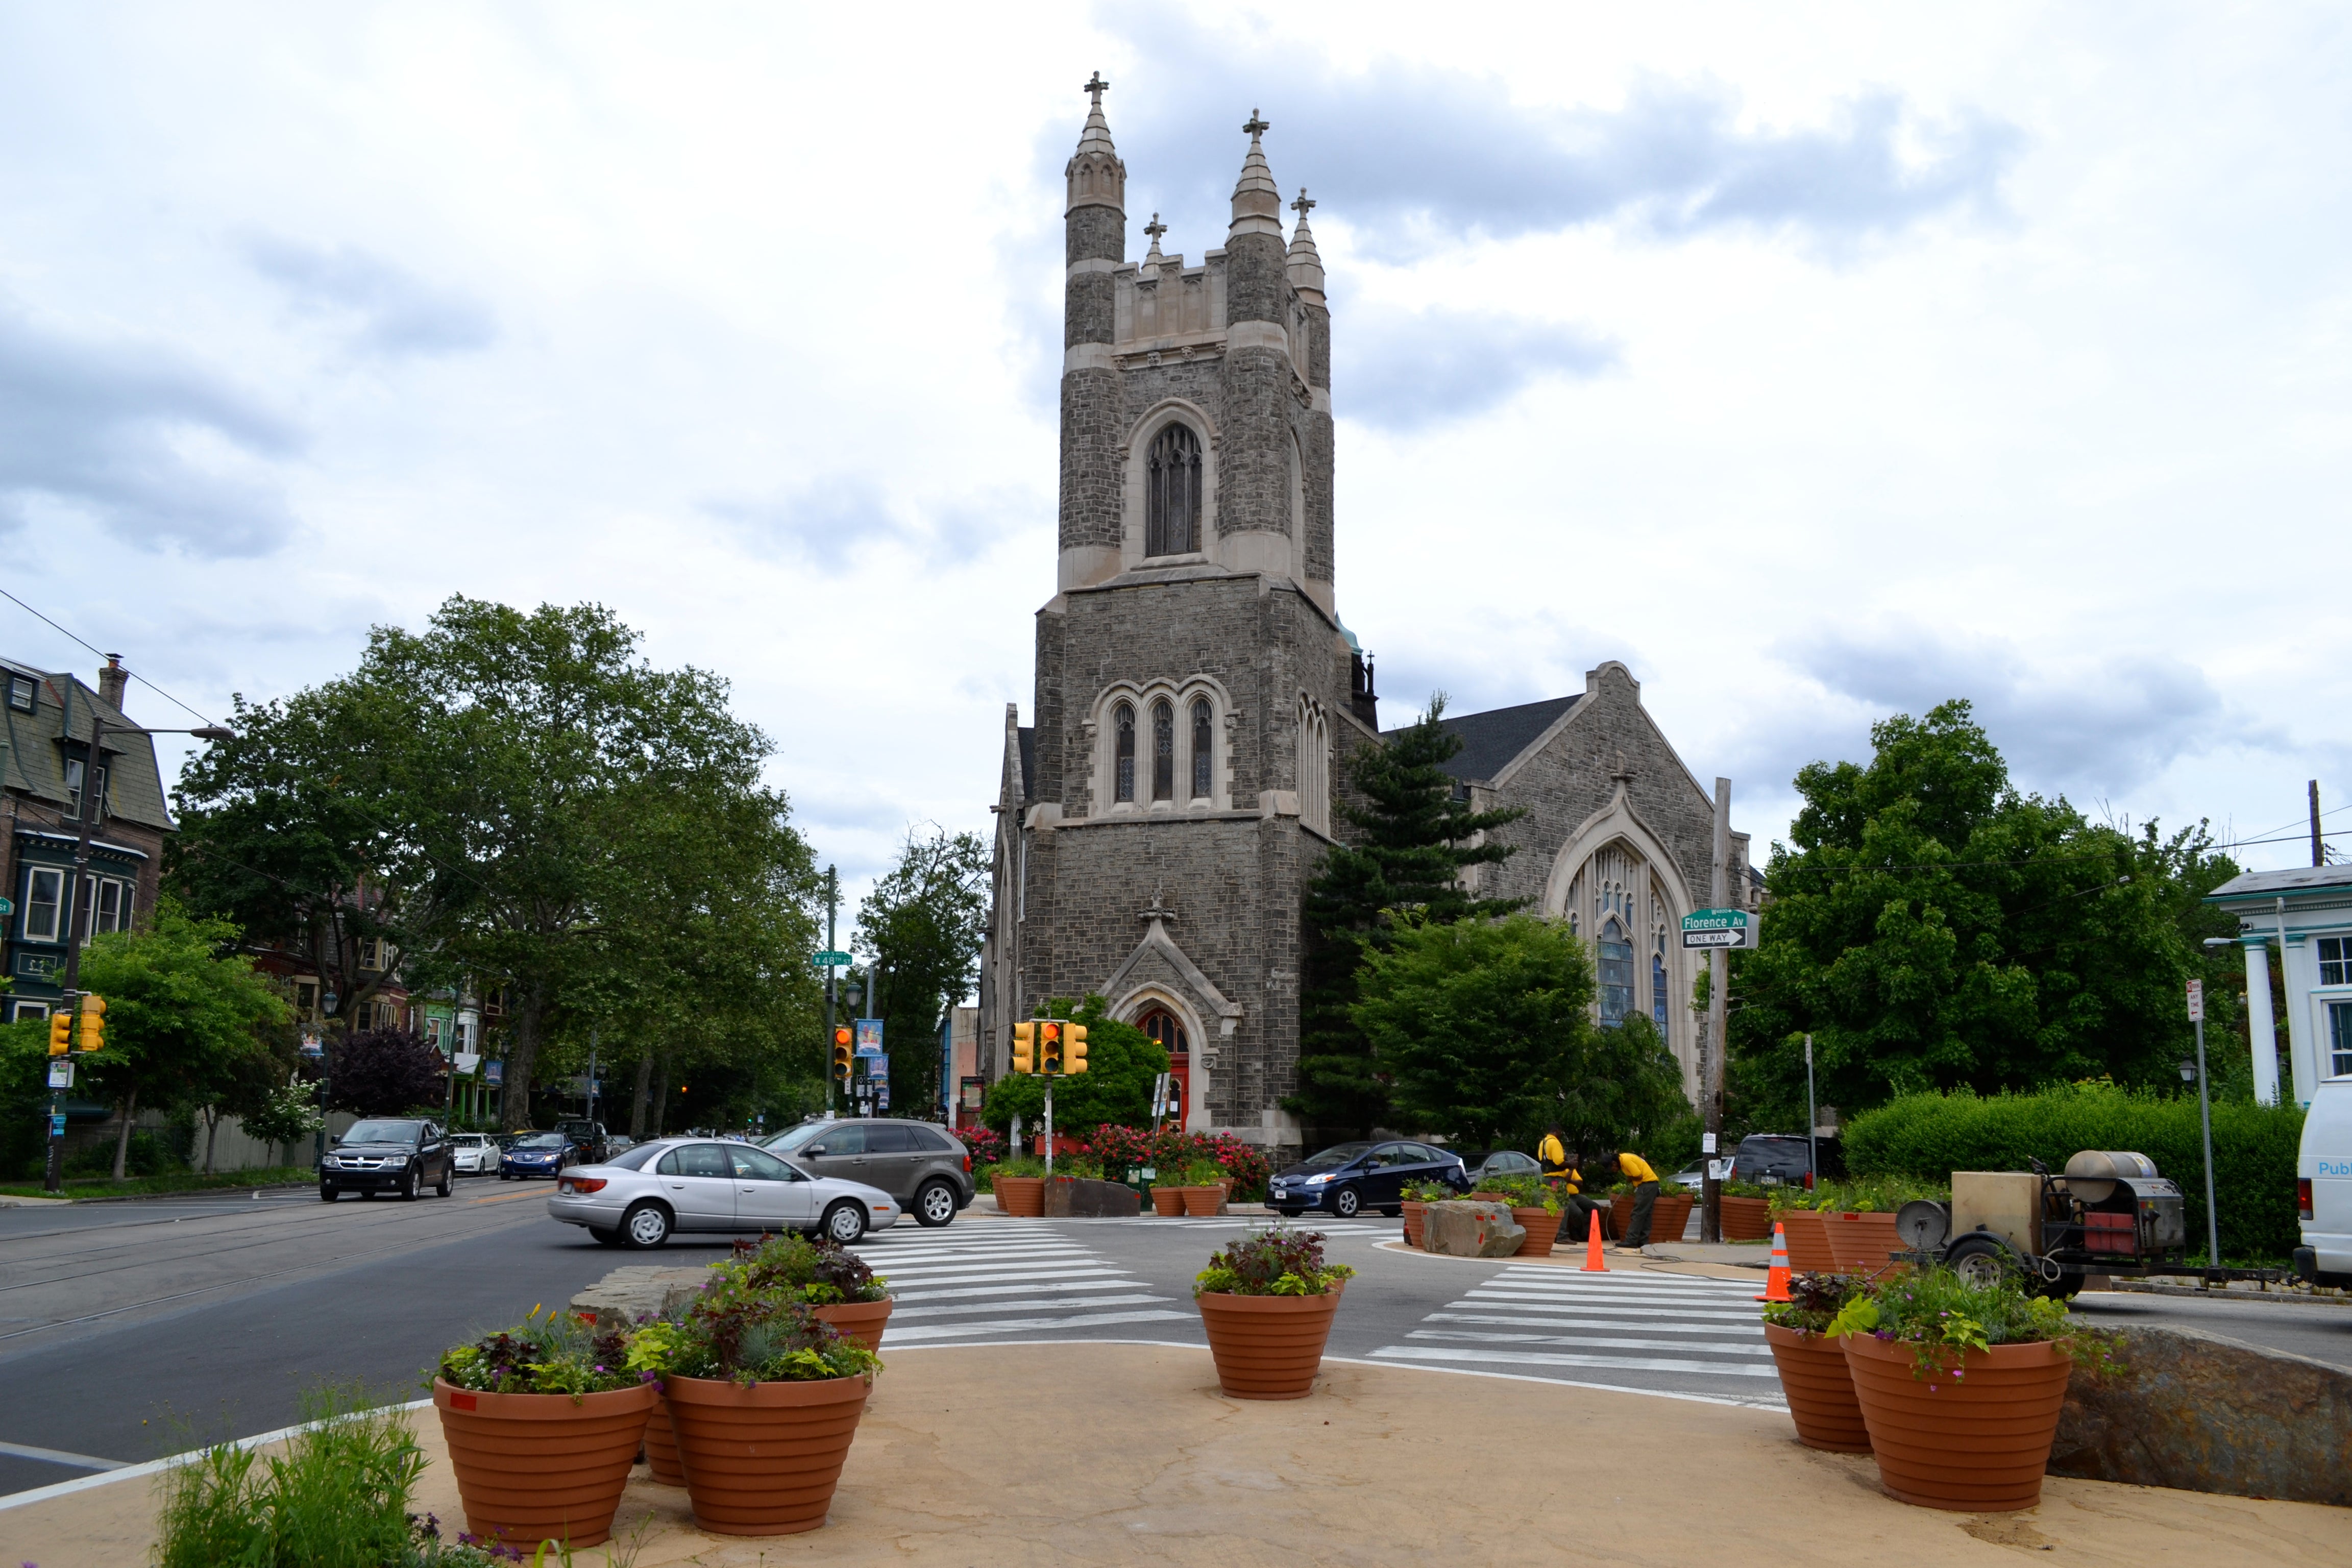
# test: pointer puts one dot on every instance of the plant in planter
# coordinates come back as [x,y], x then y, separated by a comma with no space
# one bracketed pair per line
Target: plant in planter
[1812,1365]
[1266,1301]
[1536,1206]
[765,1399]
[1960,1385]
[834,1281]
[543,1421]
[1205,1186]
[1746,1211]
[1417,1197]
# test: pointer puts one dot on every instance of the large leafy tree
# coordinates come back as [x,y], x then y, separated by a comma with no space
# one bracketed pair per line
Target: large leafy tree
[922,926]
[1413,838]
[1931,927]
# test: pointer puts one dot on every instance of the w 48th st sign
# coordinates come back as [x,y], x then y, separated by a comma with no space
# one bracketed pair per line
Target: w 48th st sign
[1720,928]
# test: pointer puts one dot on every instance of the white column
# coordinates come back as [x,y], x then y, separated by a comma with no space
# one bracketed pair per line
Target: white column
[2258,1020]
[2299,973]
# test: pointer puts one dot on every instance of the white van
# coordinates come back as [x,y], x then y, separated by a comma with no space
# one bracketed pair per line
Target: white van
[2323,1185]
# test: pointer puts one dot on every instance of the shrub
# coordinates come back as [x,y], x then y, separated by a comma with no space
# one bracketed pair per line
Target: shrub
[1814,1301]
[338,1496]
[983,1178]
[1275,1261]
[1859,1195]
[817,1273]
[984,1144]
[2254,1148]
[560,1352]
[1942,1317]
[749,1335]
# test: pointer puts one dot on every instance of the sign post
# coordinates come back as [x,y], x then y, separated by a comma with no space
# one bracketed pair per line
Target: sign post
[2205,1114]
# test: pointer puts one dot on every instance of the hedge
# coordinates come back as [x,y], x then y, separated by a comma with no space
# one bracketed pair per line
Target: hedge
[2254,1147]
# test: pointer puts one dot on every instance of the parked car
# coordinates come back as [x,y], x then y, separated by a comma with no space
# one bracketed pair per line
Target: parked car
[1777,1158]
[1348,1178]
[2323,1185]
[538,1154]
[1508,1164]
[387,1154]
[476,1153]
[590,1136]
[927,1170]
[642,1197]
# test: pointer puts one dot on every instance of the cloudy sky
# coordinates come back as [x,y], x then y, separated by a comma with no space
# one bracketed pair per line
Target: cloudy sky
[1818,363]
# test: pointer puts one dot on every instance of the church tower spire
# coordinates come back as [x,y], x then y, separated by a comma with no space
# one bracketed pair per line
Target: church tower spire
[1094,224]
[1305,267]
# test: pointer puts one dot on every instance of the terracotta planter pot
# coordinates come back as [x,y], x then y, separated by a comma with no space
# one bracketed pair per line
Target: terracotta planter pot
[1267,1347]
[1747,1219]
[1203,1200]
[1820,1391]
[1974,1444]
[859,1321]
[1859,1243]
[1021,1195]
[1412,1212]
[764,1460]
[542,1467]
[661,1447]
[1541,1225]
[1168,1201]
[1808,1241]
[1668,1216]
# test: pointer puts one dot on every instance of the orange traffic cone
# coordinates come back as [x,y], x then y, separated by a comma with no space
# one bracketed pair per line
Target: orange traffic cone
[1594,1262]
[1776,1283]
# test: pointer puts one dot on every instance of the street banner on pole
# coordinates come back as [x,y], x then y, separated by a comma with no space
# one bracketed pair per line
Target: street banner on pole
[869,1037]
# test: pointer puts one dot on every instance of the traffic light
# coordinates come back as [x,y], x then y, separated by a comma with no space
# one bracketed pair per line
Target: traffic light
[1024,1047]
[1050,1047]
[93,1023]
[841,1054]
[60,1032]
[1073,1048]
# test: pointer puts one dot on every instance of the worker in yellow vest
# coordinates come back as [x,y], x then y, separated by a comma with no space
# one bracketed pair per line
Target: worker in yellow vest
[1645,1198]
[1567,1182]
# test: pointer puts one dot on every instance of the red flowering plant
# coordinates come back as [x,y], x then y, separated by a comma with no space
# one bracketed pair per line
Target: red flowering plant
[984,1144]
[1168,1152]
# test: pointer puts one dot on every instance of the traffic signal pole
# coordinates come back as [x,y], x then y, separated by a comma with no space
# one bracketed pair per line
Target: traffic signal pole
[832,903]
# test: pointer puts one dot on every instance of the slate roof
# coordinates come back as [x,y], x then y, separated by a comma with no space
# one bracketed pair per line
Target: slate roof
[2270,884]
[32,762]
[1490,739]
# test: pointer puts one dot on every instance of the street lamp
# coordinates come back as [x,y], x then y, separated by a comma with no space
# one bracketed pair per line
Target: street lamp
[89,814]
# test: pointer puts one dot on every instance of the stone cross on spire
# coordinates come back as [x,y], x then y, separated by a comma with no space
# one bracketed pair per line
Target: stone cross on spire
[1155,228]
[1256,127]
[1302,207]
[1098,86]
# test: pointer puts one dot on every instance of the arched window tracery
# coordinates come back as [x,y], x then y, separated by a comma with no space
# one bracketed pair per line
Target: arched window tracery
[1172,492]
[1616,966]
[1163,751]
[1204,749]
[1125,721]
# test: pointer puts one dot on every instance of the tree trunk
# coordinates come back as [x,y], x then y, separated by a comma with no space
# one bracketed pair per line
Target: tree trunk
[661,1097]
[523,1052]
[637,1106]
[212,1131]
[122,1138]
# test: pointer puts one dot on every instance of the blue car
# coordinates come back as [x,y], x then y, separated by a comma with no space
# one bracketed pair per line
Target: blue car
[537,1154]
[1348,1178]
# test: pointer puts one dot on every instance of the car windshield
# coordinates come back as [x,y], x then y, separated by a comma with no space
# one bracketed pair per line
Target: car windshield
[382,1132]
[1335,1156]
[635,1160]
[539,1140]
[791,1142]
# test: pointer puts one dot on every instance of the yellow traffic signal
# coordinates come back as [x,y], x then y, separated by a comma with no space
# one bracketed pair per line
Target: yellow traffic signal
[93,1023]
[60,1032]
[1073,1048]
[841,1054]
[1050,1047]
[1024,1047]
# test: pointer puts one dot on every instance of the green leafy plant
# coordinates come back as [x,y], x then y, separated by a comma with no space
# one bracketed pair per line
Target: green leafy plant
[1942,1317]
[817,1274]
[984,1176]
[1203,1173]
[1814,1301]
[1524,1191]
[1859,1194]
[1428,1192]
[748,1335]
[336,1498]
[1274,1261]
[550,1353]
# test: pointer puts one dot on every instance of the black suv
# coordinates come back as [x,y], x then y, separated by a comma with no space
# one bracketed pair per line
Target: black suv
[924,1167]
[388,1154]
[589,1137]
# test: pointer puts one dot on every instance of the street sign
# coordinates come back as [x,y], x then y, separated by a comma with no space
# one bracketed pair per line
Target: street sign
[831,960]
[1719,928]
[7,907]
[870,1036]
[2197,1001]
[56,1124]
[61,1072]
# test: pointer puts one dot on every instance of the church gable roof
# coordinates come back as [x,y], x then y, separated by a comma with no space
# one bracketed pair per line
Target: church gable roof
[1491,739]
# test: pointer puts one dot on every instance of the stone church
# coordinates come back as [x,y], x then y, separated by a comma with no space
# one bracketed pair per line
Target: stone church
[1198,698]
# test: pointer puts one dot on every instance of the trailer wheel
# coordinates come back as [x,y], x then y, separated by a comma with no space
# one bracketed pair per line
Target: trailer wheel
[2065,1287]
[1981,1260]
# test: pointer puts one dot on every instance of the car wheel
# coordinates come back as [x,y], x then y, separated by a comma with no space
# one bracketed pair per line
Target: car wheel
[1980,1260]
[935,1205]
[645,1224]
[1346,1202]
[443,1189]
[326,1194]
[408,1188]
[844,1222]
[605,1237]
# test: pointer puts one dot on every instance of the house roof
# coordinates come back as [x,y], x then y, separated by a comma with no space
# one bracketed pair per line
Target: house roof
[32,762]
[2270,884]
[1490,739]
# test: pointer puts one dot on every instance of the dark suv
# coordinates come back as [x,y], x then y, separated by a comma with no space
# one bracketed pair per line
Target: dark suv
[1346,1178]
[922,1166]
[388,1154]
[589,1137]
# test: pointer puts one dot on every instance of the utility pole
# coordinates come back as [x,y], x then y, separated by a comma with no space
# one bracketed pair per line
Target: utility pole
[1718,967]
[2205,1115]
[1812,1124]
[2318,849]
[831,902]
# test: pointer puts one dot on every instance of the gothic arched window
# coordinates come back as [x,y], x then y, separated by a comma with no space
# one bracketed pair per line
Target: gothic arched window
[1125,721]
[1204,748]
[1172,492]
[1616,974]
[1658,984]
[1163,751]
[1166,1029]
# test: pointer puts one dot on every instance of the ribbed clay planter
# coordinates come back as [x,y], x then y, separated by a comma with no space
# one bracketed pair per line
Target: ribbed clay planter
[1808,1241]
[1859,1243]
[1974,1444]
[1412,1213]
[1541,1225]
[1820,1391]
[1747,1219]
[1203,1200]
[1266,1347]
[859,1321]
[1668,1217]
[1168,1201]
[764,1460]
[542,1467]
[1019,1195]
[661,1447]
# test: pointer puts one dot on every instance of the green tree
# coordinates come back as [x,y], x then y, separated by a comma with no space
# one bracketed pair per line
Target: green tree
[1932,928]
[184,1015]
[1122,1062]
[1414,837]
[922,926]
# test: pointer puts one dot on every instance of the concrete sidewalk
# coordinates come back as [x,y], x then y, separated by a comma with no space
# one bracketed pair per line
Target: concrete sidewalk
[1085,1454]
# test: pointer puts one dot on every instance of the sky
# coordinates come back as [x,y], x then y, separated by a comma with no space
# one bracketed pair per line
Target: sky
[1819,363]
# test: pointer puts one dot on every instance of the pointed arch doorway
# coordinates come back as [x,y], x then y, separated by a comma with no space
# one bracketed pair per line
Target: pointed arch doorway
[1166,1031]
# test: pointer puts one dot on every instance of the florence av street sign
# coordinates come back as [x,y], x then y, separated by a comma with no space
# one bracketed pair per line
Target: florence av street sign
[1720,928]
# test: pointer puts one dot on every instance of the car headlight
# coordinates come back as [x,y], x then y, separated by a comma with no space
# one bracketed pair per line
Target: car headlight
[1319,1181]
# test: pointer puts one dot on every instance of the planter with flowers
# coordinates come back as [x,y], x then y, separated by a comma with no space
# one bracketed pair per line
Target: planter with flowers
[1812,1365]
[1266,1301]
[765,1400]
[1204,1185]
[828,1278]
[1960,1385]
[1535,1207]
[542,1421]
[1746,1211]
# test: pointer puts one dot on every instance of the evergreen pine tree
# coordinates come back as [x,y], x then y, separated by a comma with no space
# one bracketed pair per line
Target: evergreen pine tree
[1410,845]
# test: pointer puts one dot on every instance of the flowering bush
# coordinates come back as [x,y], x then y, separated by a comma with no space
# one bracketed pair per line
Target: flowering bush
[984,1144]
[1814,1301]
[817,1273]
[1125,1150]
[1943,1317]
[1275,1261]
[561,1352]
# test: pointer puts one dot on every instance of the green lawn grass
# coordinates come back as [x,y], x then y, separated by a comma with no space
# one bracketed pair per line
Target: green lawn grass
[178,1182]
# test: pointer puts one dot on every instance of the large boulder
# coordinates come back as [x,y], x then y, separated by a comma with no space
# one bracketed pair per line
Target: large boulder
[2207,1413]
[627,1295]
[1461,1228]
[1069,1197]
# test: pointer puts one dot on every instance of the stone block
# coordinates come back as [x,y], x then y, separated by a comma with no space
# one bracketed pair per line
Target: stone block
[2203,1412]
[1460,1228]
[627,1294]
[1074,1197]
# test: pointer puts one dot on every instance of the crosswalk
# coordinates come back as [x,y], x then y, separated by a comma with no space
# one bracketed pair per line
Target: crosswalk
[1701,1335]
[1012,1279]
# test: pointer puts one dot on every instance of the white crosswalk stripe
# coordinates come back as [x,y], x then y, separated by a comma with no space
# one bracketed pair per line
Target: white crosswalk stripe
[1554,1322]
[1009,1278]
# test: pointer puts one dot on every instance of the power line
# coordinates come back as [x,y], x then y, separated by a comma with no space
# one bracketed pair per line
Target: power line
[103,654]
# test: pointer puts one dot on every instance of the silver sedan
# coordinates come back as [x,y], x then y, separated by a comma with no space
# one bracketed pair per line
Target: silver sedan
[642,1196]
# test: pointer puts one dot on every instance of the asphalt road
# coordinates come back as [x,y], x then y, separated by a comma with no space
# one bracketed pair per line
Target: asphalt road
[134,1330]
